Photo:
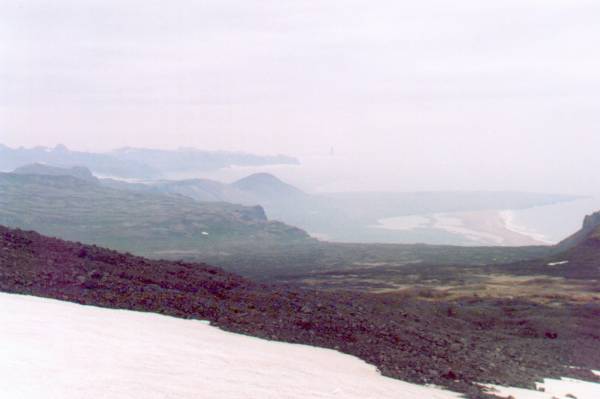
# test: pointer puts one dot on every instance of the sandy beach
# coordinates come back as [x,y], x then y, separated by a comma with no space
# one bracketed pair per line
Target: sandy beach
[490,227]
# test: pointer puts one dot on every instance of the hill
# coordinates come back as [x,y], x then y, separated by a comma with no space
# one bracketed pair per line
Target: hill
[268,188]
[206,190]
[141,222]
[453,344]
[575,258]
[161,219]
[356,217]
[589,234]
[583,256]
[79,172]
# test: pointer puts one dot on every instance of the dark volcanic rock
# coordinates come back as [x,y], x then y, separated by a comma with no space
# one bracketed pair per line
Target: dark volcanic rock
[495,341]
[590,231]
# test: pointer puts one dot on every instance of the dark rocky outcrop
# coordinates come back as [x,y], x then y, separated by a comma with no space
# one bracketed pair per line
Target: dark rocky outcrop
[590,231]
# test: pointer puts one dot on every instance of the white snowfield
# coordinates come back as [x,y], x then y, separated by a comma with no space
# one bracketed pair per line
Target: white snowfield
[565,388]
[58,350]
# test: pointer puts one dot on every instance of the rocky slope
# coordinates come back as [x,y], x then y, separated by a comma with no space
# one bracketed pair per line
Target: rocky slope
[589,233]
[448,343]
[575,258]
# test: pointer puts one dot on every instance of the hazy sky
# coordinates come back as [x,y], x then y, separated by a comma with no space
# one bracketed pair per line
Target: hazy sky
[462,94]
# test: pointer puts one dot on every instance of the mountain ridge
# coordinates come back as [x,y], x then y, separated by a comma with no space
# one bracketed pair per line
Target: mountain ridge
[80,172]
[267,187]
[138,163]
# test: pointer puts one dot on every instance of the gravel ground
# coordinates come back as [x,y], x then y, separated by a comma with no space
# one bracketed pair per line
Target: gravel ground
[452,344]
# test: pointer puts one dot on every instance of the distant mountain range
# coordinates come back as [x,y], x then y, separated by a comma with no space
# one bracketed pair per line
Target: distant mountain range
[346,217]
[206,220]
[136,163]
[254,189]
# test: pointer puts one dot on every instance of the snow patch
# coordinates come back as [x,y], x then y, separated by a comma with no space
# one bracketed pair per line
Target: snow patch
[60,350]
[123,179]
[562,262]
[563,388]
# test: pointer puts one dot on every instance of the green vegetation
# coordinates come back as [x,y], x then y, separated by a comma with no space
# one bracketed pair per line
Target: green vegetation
[236,237]
[241,239]
[567,272]
[139,222]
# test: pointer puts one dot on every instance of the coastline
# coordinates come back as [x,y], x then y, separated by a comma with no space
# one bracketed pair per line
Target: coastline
[484,228]
[509,218]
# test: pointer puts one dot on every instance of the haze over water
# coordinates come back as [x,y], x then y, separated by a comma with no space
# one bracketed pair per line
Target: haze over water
[392,96]
[411,96]
[324,174]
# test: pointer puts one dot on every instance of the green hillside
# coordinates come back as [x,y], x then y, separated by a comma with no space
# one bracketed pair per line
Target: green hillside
[140,222]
